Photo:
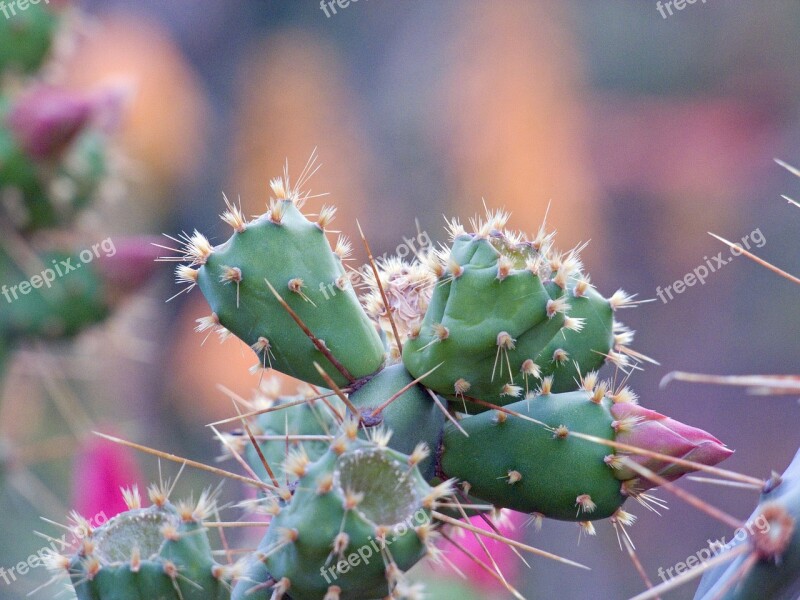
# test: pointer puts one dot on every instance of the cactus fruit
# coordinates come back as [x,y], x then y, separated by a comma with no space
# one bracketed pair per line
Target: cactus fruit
[161,551]
[285,250]
[359,517]
[53,159]
[770,568]
[26,37]
[544,469]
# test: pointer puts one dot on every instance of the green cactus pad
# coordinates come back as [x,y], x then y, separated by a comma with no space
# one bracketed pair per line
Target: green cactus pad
[776,524]
[489,314]
[412,417]
[302,419]
[26,36]
[375,533]
[587,347]
[154,552]
[537,470]
[293,254]
[62,307]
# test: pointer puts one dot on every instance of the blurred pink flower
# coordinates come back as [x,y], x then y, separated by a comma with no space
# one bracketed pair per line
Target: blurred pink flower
[510,525]
[101,469]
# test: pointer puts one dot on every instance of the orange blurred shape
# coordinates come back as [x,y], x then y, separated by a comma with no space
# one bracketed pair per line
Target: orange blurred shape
[165,124]
[295,97]
[199,368]
[514,122]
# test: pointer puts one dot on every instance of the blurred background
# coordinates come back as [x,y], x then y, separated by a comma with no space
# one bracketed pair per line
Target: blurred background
[642,132]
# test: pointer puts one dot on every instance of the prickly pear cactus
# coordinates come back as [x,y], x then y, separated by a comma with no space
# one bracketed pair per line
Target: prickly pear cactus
[59,307]
[467,382]
[770,565]
[284,257]
[501,317]
[412,416]
[302,427]
[544,469]
[55,162]
[587,345]
[359,517]
[161,551]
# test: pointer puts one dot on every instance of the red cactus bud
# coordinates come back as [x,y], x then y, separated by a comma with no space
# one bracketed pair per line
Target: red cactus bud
[47,119]
[647,429]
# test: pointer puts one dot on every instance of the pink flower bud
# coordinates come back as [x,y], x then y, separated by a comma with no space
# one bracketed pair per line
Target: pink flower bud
[647,429]
[46,120]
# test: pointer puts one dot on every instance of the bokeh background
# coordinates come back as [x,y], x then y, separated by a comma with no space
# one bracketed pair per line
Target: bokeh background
[642,133]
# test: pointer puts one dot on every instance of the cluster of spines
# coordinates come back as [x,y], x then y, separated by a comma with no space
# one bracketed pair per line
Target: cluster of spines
[298,466]
[90,559]
[561,273]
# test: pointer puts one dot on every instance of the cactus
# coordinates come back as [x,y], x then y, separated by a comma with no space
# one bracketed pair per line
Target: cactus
[412,417]
[466,376]
[283,256]
[55,162]
[306,419]
[57,308]
[586,347]
[58,294]
[770,567]
[359,499]
[763,558]
[544,469]
[161,551]
[501,317]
